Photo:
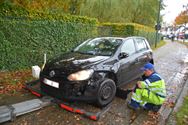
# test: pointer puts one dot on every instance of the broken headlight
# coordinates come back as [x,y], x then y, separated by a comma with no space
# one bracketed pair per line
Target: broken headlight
[81,75]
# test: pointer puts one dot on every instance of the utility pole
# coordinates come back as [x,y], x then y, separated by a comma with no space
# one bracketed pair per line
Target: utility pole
[158,26]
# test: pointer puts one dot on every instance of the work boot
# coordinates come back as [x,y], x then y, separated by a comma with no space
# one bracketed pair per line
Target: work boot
[156,108]
[152,107]
[133,105]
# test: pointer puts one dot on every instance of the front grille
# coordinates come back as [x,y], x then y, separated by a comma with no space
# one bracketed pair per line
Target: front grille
[59,75]
[65,89]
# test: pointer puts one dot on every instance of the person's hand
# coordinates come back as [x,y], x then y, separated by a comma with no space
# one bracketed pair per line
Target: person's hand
[139,84]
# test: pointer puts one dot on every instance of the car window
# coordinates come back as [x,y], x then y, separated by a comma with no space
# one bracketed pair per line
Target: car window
[99,46]
[128,47]
[141,45]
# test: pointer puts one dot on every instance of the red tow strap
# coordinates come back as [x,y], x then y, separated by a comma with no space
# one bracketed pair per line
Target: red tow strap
[71,109]
[35,93]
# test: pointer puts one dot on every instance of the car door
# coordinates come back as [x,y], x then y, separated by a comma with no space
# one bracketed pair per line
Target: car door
[126,70]
[142,54]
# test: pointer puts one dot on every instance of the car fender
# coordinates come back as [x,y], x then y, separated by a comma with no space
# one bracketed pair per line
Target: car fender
[101,75]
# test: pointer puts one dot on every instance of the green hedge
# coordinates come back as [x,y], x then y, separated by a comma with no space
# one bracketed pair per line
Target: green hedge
[116,29]
[148,32]
[8,7]
[24,40]
[127,29]
[25,36]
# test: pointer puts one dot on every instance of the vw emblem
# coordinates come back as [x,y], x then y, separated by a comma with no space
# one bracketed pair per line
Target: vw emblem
[52,73]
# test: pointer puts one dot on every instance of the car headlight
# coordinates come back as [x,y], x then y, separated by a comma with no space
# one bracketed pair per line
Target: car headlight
[81,75]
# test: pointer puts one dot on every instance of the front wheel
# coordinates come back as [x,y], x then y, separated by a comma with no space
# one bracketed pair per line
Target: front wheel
[106,92]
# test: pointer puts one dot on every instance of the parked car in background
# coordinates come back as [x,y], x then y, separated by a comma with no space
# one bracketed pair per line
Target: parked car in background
[93,70]
[181,35]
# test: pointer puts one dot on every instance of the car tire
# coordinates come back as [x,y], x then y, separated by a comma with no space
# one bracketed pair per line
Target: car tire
[106,92]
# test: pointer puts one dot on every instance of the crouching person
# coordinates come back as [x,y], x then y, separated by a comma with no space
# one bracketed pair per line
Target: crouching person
[149,93]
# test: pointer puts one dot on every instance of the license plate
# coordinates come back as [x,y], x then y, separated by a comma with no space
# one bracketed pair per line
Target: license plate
[51,83]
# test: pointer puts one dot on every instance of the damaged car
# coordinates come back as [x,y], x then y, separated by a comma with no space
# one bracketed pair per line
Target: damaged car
[93,70]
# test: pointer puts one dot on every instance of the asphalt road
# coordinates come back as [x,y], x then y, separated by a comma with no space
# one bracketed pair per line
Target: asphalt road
[169,60]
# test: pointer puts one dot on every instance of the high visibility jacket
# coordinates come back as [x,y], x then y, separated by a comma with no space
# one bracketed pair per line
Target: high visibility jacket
[155,84]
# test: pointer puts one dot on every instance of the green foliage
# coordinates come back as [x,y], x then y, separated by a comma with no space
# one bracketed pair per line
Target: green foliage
[26,35]
[25,40]
[11,9]
[117,11]
[7,7]
[27,30]
[159,44]
[122,11]
[127,29]
[182,114]
[118,29]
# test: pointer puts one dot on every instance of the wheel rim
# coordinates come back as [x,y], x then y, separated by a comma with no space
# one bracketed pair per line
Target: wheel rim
[106,92]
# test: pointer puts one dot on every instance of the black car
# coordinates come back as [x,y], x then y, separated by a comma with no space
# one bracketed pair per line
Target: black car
[94,69]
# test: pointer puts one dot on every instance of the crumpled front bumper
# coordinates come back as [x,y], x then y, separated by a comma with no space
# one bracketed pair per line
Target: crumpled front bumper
[35,88]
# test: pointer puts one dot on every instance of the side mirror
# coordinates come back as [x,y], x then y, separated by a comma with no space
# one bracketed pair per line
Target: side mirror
[123,55]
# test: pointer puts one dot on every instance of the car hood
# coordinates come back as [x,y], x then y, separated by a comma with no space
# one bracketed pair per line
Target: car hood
[72,62]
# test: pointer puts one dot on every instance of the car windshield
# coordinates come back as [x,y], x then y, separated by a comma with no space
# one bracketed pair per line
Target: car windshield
[99,46]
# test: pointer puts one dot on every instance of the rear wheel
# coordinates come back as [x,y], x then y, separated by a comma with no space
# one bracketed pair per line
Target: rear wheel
[106,92]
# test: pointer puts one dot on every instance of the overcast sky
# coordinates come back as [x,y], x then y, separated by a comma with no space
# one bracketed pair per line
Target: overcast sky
[172,9]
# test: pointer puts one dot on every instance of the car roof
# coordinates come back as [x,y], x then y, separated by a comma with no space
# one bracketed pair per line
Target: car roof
[122,37]
[111,37]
